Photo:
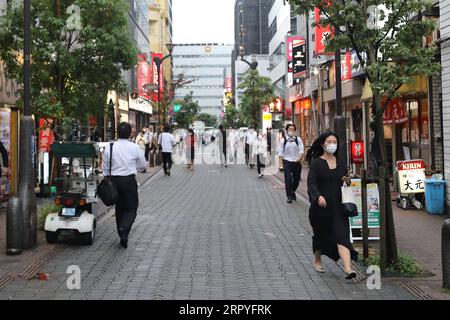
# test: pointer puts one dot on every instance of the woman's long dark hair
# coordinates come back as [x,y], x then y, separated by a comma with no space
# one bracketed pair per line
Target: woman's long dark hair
[316,149]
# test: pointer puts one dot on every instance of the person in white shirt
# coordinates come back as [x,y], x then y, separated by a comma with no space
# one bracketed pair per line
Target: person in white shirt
[167,141]
[233,140]
[250,138]
[127,159]
[260,151]
[291,149]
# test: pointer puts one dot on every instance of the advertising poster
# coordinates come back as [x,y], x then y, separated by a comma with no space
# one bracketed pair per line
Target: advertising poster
[5,134]
[373,205]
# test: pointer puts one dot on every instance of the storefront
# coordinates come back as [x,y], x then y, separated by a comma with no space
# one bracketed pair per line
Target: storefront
[139,114]
[9,134]
[406,122]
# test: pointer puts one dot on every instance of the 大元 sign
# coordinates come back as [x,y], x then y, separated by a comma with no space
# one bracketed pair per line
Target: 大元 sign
[411,176]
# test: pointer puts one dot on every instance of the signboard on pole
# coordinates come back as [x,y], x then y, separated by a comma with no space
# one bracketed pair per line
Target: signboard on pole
[299,58]
[320,35]
[373,207]
[411,176]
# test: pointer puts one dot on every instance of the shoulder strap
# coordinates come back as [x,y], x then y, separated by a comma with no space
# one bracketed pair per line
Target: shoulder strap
[110,158]
[296,141]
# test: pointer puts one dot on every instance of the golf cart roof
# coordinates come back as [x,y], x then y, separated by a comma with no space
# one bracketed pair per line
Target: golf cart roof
[74,150]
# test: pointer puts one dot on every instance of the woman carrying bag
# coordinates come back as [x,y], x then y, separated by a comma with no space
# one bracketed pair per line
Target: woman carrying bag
[327,215]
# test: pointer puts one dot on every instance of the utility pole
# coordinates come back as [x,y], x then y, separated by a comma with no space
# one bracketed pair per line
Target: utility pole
[26,170]
[339,119]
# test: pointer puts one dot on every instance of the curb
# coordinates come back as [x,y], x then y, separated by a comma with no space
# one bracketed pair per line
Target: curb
[32,269]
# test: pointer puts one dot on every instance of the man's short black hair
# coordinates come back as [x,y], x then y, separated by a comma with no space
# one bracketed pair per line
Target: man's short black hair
[290,125]
[166,128]
[124,130]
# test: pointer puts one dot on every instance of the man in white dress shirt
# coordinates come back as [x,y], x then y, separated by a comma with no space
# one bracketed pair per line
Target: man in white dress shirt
[127,158]
[167,141]
[250,138]
[291,149]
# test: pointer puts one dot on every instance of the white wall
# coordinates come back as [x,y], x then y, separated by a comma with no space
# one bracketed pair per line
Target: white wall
[445,60]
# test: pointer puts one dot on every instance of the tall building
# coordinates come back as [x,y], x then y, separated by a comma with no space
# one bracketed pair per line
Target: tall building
[251,26]
[204,64]
[250,31]
[161,32]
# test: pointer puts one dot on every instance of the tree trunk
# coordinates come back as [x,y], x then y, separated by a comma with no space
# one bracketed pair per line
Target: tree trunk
[388,242]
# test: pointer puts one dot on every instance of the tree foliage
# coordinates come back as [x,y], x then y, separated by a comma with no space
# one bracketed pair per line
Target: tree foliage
[233,117]
[75,59]
[395,51]
[189,110]
[208,119]
[258,91]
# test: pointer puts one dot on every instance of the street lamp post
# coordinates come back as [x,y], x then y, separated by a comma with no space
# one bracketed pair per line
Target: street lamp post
[158,62]
[22,219]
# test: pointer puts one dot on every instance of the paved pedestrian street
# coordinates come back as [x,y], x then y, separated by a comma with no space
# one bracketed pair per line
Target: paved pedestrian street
[215,233]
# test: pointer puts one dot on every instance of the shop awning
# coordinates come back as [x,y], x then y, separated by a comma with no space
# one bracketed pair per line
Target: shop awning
[419,85]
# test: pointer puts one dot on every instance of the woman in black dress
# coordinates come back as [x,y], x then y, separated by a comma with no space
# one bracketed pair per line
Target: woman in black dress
[330,226]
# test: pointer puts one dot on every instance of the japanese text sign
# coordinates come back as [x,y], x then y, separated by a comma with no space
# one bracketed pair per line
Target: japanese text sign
[357,151]
[411,176]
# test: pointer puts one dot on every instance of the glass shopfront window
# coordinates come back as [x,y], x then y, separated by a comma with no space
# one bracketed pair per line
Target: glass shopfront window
[415,133]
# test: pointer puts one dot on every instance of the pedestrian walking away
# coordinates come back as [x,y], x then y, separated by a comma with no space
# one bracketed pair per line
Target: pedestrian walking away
[269,140]
[281,136]
[190,149]
[141,142]
[223,146]
[233,141]
[250,138]
[331,229]
[127,159]
[260,151]
[148,137]
[167,141]
[291,149]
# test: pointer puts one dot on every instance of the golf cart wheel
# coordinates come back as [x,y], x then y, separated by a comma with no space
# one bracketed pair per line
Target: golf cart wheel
[51,237]
[87,238]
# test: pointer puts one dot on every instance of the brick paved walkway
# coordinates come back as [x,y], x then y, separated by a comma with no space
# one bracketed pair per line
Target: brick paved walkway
[216,233]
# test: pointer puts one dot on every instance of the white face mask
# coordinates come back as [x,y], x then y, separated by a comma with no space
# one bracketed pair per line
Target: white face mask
[331,148]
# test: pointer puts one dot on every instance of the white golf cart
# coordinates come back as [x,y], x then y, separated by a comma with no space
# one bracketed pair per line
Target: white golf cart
[76,185]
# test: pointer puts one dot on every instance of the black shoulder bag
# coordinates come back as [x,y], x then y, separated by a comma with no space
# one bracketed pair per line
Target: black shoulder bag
[106,190]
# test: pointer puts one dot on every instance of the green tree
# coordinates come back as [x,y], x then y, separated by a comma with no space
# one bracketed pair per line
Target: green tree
[393,41]
[208,119]
[233,117]
[188,112]
[76,58]
[258,91]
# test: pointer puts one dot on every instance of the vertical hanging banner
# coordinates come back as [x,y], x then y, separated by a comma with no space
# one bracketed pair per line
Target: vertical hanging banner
[321,34]
[46,137]
[289,61]
[155,74]
[143,75]
[299,58]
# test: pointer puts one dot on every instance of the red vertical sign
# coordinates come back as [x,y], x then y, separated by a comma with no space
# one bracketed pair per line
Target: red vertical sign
[46,137]
[143,75]
[321,34]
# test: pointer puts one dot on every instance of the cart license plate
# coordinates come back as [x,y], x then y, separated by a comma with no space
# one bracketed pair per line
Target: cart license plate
[68,212]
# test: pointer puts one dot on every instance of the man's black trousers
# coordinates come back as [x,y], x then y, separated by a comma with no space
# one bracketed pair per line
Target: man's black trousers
[292,173]
[167,161]
[127,204]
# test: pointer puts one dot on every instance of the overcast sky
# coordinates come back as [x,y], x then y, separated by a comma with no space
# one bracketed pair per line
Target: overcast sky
[202,21]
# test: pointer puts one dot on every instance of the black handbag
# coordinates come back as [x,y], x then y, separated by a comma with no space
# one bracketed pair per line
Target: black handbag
[106,190]
[350,209]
